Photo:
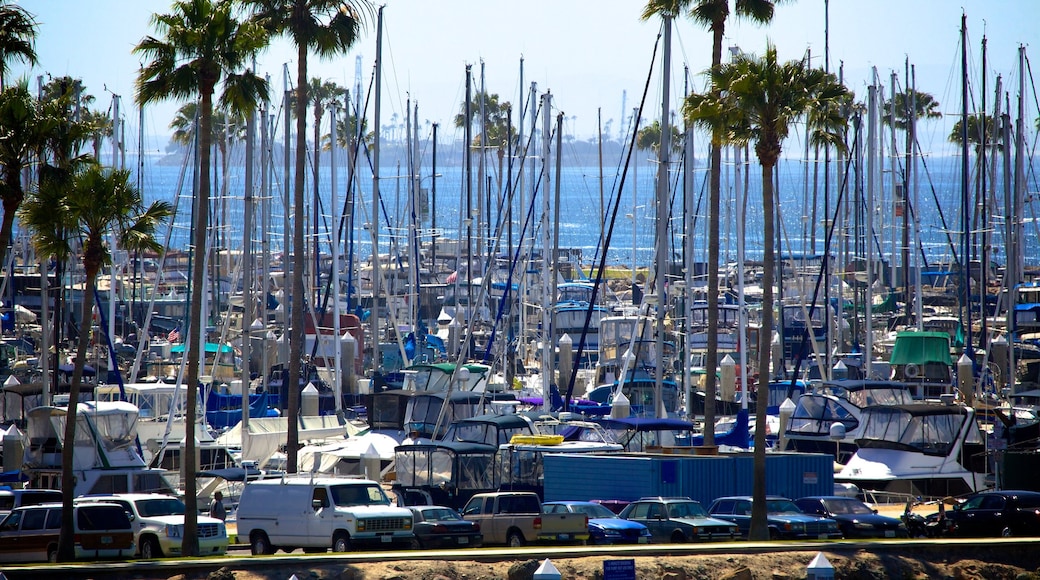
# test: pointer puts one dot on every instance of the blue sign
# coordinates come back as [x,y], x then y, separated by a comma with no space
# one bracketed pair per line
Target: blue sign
[619,570]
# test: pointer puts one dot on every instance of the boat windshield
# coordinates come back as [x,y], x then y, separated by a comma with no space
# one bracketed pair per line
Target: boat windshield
[814,414]
[928,433]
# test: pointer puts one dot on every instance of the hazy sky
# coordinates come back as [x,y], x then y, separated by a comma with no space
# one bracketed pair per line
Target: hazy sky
[586,52]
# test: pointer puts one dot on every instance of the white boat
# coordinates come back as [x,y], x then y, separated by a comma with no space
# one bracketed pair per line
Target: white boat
[919,450]
[106,458]
[811,426]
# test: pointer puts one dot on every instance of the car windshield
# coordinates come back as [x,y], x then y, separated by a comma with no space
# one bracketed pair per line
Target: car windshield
[439,515]
[160,507]
[782,506]
[687,509]
[846,506]
[348,495]
[593,510]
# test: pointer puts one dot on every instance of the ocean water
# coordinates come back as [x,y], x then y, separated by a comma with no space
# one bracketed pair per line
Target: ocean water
[581,213]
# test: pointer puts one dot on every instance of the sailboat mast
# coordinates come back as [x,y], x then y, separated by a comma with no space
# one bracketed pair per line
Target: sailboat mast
[337,332]
[547,300]
[376,290]
[661,250]
[872,118]
[965,193]
[247,267]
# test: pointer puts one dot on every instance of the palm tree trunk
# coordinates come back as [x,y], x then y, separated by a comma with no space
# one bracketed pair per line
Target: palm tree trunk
[194,338]
[759,529]
[66,539]
[292,381]
[12,197]
[714,186]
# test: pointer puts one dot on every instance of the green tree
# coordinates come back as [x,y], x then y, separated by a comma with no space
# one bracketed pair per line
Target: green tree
[649,138]
[17,36]
[756,101]
[98,204]
[99,125]
[329,27]
[497,125]
[713,14]
[19,117]
[200,44]
[924,105]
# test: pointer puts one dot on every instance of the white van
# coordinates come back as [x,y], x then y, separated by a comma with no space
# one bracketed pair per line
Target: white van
[316,513]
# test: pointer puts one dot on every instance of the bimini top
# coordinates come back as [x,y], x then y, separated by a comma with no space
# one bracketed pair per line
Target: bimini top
[921,347]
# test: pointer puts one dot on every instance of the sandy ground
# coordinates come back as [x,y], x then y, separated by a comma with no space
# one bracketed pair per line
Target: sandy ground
[1019,562]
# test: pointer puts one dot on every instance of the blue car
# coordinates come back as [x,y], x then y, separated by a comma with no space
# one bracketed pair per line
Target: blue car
[605,527]
[785,520]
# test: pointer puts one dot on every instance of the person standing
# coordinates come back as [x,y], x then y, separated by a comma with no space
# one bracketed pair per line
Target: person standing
[216,508]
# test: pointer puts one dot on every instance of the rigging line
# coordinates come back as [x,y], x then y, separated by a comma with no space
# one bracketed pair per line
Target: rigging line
[824,268]
[515,258]
[610,230]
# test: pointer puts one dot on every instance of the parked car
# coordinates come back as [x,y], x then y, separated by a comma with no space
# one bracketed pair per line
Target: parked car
[996,513]
[855,518]
[784,519]
[442,527]
[678,519]
[605,527]
[30,533]
[13,498]
[158,522]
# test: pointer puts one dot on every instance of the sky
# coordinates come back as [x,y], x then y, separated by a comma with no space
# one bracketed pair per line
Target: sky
[594,56]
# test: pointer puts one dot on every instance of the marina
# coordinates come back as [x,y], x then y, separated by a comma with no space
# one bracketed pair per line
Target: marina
[784,299]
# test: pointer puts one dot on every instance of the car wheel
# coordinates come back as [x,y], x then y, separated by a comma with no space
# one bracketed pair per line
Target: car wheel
[259,544]
[774,534]
[150,549]
[52,554]
[1006,532]
[341,542]
[678,537]
[415,544]
[515,540]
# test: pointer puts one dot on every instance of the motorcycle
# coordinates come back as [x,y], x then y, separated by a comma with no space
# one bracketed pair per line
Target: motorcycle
[925,526]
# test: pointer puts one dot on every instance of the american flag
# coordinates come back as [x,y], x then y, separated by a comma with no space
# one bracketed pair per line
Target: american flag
[174,336]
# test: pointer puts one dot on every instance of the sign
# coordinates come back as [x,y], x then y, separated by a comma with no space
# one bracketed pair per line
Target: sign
[809,478]
[619,570]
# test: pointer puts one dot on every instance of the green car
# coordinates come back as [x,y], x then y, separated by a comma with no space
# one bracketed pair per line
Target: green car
[678,520]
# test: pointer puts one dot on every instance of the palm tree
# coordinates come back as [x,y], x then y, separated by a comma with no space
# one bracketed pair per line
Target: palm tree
[925,107]
[649,138]
[497,126]
[17,36]
[100,126]
[19,116]
[98,204]
[756,101]
[201,43]
[330,27]
[713,14]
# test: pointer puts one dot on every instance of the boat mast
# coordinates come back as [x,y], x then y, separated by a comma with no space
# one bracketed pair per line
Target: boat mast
[374,229]
[547,299]
[247,264]
[965,195]
[872,119]
[661,250]
[337,332]
[914,152]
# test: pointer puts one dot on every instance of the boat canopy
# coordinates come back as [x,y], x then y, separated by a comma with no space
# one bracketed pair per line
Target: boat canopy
[921,347]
